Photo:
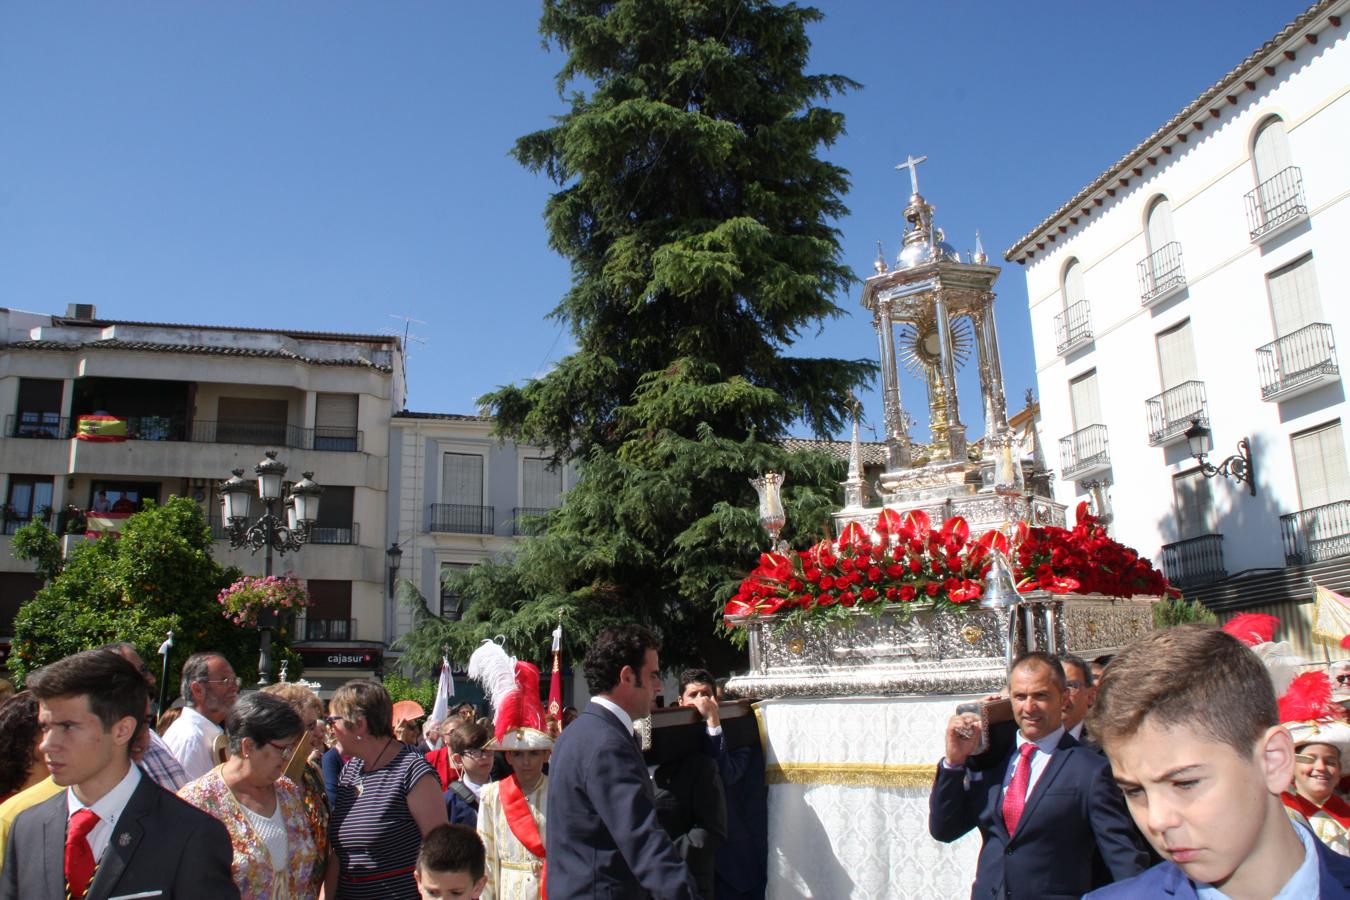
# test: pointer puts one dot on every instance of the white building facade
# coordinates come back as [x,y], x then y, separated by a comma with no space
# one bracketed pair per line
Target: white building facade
[182,406]
[1200,279]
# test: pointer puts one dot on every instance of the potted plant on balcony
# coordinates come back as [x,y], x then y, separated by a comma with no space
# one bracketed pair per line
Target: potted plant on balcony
[248,597]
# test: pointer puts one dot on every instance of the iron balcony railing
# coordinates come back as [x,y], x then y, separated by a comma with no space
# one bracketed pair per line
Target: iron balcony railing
[529,519]
[14,523]
[461,518]
[310,629]
[1073,326]
[1084,450]
[1195,560]
[335,534]
[37,425]
[1171,412]
[200,431]
[1275,201]
[1312,535]
[1308,354]
[1161,273]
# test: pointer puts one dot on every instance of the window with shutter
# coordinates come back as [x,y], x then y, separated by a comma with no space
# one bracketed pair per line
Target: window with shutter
[462,479]
[1194,504]
[1270,151]
[452,601]
[1176,356]
[1160,232]
[1319,464]
[1084,401]
[541,488]
[335,417]
[1294,299]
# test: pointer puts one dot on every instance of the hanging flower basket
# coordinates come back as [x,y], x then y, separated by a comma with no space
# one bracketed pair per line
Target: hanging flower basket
[907,562]
[242,601]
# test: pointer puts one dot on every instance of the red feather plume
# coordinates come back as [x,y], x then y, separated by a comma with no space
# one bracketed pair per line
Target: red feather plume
[1345,642]
[1252,628]
[1308,698]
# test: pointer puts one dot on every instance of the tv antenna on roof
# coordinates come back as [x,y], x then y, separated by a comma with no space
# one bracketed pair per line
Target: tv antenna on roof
[406,334]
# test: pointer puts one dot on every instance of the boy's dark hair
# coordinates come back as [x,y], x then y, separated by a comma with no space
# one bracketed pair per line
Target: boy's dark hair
[1045,659]
[1192,675]
[1068,659]
[453,848]
[19,731]
[697,676]
[615,647]
[469,736]
[114,688]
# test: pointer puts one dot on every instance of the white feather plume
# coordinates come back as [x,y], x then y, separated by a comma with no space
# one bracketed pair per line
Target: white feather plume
[495,671]
[1281,662]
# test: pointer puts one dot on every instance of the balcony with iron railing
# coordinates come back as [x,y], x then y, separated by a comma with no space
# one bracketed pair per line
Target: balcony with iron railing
[1161,274]
[1299,362]
[1194,560]
[39,425]
[177,428]
[13,523]
[1171,412]
[1312,535]
[529,520]
[1073,327]
[461,518]
[1084,453]
[1276,205]
[312,629]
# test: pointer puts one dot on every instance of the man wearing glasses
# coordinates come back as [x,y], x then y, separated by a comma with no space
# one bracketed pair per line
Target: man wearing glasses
[1078,694]
[210,688]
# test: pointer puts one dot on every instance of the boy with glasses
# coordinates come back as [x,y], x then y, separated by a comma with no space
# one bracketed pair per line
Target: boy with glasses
[473,763]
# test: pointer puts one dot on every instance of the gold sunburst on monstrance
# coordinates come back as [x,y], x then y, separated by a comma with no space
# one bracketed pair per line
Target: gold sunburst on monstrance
[919,345]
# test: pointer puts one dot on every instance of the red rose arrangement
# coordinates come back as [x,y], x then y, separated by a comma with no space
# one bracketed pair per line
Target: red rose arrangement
[908,561]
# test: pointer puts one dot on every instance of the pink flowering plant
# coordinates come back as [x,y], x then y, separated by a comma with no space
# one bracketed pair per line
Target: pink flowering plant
[242,601]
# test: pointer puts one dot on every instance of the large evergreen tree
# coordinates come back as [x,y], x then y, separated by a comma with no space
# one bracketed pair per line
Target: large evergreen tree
[698,219]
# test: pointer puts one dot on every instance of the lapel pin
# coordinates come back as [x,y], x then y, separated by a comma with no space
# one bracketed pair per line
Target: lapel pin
[124,840]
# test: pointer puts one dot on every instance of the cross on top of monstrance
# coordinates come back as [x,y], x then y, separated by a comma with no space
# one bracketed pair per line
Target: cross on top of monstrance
[913,165]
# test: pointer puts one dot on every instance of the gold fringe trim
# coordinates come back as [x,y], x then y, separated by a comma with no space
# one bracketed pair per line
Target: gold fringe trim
[852,774]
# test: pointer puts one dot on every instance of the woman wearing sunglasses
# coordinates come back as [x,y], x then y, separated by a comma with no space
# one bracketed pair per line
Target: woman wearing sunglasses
[276,856]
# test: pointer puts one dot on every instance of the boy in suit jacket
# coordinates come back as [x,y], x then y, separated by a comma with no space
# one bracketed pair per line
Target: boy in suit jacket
[1189,720]
[1043,810]
[603,838]
[113,832]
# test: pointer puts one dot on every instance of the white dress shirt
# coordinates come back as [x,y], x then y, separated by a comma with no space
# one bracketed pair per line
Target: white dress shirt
[624,719]
[190,738]
[1045,747]
[108,808]
[1077,731]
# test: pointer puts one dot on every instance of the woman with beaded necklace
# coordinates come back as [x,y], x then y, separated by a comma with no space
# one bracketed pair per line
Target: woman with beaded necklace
[388,798]
[276,856]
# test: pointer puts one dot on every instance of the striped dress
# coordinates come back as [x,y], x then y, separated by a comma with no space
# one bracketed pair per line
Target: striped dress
[372,831]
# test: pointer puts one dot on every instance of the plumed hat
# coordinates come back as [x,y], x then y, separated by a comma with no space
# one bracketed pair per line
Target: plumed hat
[1307,714]
[513,690]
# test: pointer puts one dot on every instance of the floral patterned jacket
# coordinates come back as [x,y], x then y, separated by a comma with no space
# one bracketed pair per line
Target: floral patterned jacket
[303,871]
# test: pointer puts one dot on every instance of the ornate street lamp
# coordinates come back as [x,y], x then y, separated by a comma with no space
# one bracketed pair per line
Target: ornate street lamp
[1237,467]
[395,556]
[269,533]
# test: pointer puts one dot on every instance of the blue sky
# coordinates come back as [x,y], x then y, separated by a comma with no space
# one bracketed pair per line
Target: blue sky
[329,165]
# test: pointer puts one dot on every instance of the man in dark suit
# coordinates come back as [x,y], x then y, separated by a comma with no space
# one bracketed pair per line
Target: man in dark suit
[603,837]
[1045,809]
[113,832]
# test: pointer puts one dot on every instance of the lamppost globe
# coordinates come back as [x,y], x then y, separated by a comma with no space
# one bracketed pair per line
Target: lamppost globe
[305,495]
[271,472]
[1199,439]
[234,498]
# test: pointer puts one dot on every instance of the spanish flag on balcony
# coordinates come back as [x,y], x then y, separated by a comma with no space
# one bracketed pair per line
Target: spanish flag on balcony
[97,524]
[100,428]
[1331,617]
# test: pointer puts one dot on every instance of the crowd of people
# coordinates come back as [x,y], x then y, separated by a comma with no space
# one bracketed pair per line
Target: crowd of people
[273,794]
[1196,763]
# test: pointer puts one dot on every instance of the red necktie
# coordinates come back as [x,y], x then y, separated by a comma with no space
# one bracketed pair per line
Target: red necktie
[1015,797]
[79,855]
